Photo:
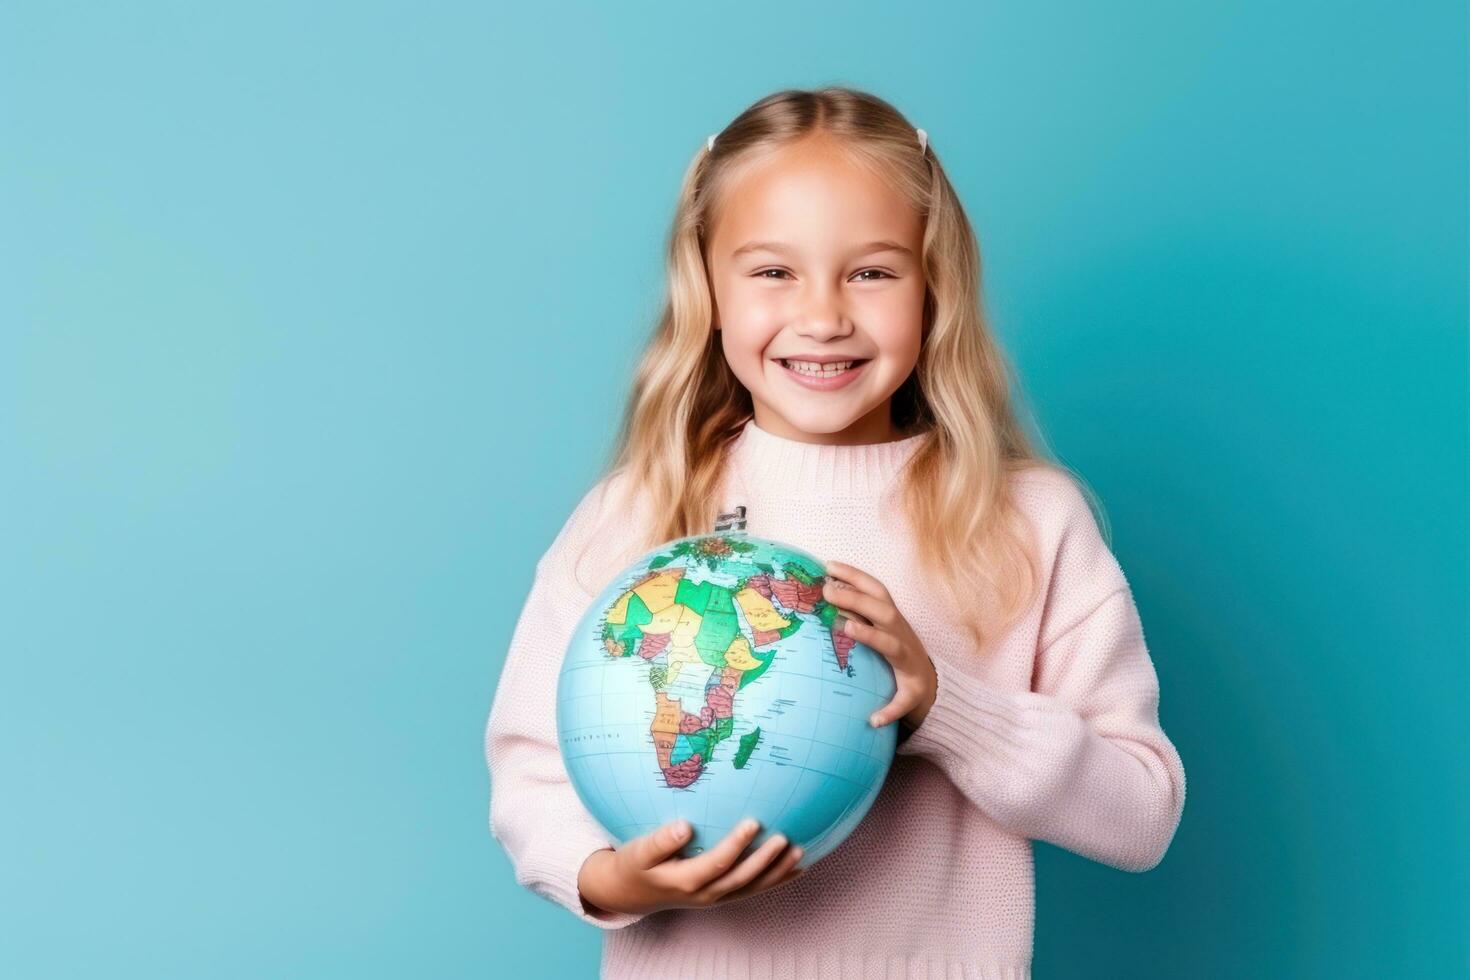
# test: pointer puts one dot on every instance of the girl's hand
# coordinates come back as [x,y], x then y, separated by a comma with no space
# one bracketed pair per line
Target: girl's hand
[884,629]
[643,876]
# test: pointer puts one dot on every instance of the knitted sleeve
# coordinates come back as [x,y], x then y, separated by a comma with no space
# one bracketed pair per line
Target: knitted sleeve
[1079,761]
[535,813]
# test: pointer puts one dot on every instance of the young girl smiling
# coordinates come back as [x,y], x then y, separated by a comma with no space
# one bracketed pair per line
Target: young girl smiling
[824,360]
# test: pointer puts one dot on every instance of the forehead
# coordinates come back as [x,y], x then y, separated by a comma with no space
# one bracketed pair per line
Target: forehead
[811,195]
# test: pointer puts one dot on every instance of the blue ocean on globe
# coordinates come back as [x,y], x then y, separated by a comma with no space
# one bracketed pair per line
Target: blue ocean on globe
[706,683]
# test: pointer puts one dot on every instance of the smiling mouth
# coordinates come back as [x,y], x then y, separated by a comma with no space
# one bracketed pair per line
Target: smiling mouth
[812,369]
[815,376]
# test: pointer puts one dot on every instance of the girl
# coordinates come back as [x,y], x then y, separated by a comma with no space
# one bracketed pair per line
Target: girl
[823,359]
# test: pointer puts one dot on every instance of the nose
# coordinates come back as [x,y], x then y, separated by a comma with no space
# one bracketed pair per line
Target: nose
[822,316]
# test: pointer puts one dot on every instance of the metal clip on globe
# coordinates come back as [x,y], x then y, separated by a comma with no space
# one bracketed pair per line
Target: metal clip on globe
[733,521]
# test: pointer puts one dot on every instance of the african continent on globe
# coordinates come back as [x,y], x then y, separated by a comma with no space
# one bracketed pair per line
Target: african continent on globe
[706,682]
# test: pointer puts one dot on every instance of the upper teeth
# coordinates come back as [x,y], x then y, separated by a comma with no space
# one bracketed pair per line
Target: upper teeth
[812,367]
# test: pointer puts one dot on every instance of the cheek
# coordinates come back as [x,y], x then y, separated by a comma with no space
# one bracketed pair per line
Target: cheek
[745,343]
[750,324]
[753,302]
[897,323]
[903,306]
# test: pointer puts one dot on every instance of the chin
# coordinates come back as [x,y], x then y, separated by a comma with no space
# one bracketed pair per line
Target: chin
[821,423]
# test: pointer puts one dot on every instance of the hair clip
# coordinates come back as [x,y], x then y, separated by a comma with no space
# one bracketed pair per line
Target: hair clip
[709,144]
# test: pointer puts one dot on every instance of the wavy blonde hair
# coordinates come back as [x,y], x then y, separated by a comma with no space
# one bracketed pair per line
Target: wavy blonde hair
[686,405]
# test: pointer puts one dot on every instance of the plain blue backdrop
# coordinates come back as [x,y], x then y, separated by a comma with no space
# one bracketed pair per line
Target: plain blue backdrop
[315,321]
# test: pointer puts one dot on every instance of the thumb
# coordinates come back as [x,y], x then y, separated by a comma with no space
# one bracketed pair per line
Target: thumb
[662,843]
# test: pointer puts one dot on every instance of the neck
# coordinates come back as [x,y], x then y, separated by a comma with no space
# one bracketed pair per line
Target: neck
[762,462]
[874,427]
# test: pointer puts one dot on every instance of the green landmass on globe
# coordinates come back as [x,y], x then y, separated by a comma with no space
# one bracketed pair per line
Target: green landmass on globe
[673,622]
[748,742]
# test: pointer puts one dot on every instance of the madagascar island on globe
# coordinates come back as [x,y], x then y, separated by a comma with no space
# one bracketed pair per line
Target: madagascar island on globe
[706,683]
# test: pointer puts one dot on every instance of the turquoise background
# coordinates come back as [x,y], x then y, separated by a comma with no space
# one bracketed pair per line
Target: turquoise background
[315,320]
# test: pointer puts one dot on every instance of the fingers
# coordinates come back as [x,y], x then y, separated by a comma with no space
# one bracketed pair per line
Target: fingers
[698,871]
[721,873]
[895,709]
[757,866]
[860,579]
[869,607]
[884,642]
[779,872]
[663,843]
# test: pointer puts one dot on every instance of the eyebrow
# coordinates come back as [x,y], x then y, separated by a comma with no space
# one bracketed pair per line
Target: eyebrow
[779,248]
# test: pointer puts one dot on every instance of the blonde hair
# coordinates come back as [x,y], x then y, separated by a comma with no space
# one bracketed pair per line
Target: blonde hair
[686,405]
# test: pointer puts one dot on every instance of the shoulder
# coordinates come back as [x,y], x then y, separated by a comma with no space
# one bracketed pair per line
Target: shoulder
[1051,497]
[1070,540]
[591,510]
[597,533]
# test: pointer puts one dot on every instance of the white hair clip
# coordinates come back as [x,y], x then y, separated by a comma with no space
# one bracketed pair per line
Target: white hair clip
[709,144]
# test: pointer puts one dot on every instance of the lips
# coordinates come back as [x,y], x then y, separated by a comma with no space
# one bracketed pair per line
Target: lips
[820,358]
[819,368]
[822,377]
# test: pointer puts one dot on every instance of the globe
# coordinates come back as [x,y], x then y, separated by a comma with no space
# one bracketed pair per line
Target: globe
[706,683]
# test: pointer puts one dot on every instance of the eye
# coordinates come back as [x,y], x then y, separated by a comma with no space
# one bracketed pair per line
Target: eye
[881,273]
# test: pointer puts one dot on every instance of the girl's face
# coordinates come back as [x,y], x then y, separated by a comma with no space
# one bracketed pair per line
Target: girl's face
[813,259]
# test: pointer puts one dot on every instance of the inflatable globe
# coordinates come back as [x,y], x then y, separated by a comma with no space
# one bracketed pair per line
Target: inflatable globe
[706,682]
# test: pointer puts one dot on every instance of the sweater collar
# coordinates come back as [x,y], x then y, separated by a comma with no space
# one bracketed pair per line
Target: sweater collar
[768,461]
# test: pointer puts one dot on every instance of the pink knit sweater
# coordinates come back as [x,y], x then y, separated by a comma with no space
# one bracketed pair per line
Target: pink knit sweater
[1053,734]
